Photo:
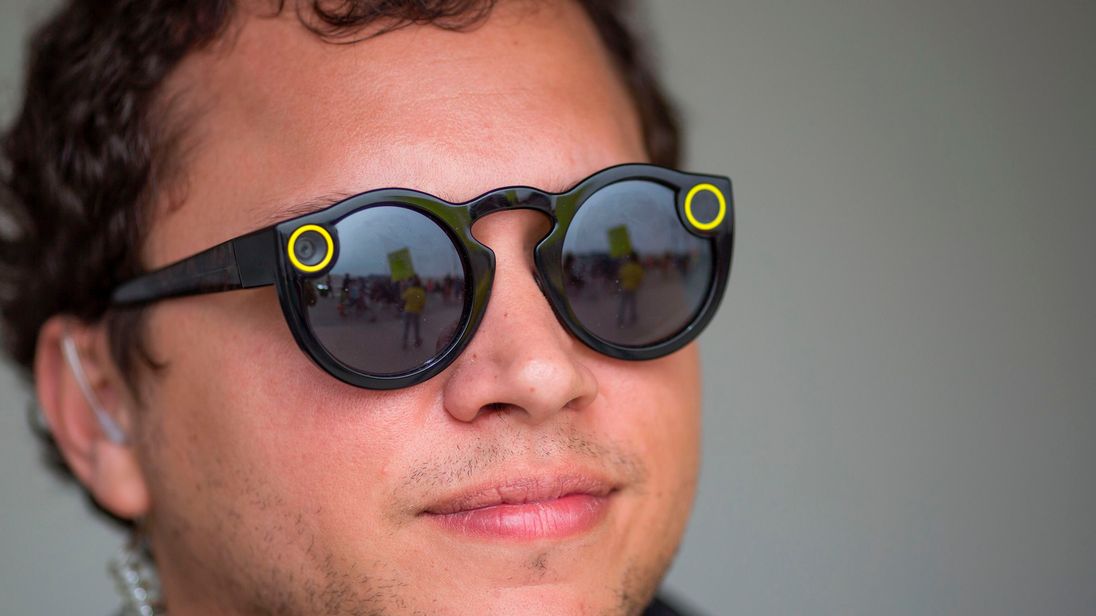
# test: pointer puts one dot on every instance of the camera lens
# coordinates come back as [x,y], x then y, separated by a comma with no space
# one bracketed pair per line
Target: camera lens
[310,248]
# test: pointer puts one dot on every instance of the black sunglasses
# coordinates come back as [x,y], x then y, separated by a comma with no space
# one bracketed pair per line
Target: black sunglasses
[386,288]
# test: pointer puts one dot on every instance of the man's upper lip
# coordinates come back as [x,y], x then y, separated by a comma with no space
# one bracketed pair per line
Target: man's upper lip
[519,490]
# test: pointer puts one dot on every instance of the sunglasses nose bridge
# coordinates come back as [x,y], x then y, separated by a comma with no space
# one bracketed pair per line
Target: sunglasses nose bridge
[511,199]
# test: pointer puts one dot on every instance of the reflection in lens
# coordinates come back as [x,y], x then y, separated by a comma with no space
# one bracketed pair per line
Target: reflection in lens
[633,275]
[394,298]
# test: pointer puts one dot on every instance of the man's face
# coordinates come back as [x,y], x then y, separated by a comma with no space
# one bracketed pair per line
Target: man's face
[276,488]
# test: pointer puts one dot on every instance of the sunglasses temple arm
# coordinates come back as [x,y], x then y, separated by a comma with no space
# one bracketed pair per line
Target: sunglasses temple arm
[240,263]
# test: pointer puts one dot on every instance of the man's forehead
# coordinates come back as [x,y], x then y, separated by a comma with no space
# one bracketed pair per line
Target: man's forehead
[266,65]
[288,123]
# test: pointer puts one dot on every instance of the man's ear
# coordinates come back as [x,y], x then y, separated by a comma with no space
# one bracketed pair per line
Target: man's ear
[89,412]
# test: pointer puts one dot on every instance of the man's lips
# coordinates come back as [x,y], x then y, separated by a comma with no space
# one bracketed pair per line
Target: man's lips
[520,491]
[525,508]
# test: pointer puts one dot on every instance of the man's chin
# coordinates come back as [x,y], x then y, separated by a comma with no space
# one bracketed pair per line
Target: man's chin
[584,574]
[562,597]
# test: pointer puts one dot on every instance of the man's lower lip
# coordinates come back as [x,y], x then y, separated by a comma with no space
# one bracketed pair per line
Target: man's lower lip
[551,519]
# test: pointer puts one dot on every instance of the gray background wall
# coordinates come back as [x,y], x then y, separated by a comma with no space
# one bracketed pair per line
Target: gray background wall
[901,386]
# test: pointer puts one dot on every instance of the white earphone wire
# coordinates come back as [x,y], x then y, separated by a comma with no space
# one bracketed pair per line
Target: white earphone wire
[109,426]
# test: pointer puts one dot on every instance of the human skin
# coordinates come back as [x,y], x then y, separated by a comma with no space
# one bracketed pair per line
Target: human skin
[266,486]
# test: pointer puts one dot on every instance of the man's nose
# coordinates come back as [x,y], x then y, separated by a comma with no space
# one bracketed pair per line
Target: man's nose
[521,360]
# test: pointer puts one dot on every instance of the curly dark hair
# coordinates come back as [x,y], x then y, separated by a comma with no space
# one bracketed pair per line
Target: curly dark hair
[92,145]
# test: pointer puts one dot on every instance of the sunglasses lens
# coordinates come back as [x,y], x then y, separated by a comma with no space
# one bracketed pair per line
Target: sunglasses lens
[394,298]
[632,274]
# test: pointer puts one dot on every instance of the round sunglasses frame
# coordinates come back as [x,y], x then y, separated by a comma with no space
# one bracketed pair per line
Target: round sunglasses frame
[262,258]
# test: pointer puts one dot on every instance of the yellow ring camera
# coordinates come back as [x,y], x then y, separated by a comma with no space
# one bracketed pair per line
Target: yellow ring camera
[705,226]
[311,256]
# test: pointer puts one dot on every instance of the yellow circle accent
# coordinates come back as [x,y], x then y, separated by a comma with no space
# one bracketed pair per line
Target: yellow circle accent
[327,258]
[705,226]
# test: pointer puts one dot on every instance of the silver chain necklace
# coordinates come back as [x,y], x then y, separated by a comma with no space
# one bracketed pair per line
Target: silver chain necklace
[135,577]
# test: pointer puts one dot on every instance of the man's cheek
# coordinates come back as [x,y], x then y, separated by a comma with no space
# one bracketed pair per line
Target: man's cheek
[662,404]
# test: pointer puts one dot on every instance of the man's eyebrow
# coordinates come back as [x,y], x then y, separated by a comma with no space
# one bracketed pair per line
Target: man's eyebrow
[556,183]
[559,185]
[268,216]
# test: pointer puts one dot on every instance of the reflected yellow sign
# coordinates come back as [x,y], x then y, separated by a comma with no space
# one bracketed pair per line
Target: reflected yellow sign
[620,242]
[399,263]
